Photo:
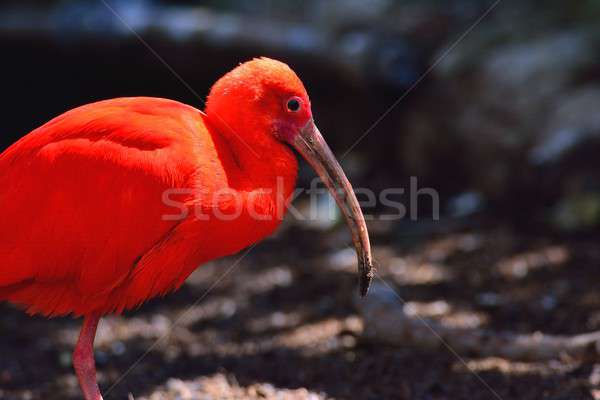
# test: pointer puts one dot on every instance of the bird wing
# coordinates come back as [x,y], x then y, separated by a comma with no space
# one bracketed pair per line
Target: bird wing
[81,198]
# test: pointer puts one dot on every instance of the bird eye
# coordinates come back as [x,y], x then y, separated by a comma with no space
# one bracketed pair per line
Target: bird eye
[293,104]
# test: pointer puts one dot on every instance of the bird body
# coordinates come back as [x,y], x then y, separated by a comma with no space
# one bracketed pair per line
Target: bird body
[85,225]
[116,202]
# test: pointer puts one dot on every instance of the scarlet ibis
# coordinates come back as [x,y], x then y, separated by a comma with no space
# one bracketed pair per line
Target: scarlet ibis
[116,202]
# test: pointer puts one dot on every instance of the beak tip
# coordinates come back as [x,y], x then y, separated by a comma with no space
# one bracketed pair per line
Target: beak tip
[364,290]
[365,279]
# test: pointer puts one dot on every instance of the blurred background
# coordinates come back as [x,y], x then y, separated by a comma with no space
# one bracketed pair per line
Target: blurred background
[495,105]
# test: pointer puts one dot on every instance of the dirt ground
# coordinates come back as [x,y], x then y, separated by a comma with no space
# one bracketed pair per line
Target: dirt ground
[282,323]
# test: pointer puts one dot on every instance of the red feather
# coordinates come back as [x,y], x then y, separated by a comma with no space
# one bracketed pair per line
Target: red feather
[82,207]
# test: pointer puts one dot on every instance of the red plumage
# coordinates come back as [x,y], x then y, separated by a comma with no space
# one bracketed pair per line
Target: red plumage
[83,211]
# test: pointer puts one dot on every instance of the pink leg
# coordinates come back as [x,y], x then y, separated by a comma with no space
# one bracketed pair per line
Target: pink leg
[83,359]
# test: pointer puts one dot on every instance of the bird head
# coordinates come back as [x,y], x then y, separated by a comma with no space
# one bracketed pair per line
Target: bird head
[267,98]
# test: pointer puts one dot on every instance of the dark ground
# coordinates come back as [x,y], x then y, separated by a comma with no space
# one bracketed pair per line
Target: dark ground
[283,324]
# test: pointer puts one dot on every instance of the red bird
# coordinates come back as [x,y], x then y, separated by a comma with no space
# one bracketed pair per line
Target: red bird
[116,202]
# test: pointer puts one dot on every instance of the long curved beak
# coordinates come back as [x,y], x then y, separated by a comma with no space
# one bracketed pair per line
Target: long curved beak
[310,144]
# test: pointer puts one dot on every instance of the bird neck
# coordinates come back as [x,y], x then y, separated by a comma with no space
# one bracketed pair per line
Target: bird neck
[257,160]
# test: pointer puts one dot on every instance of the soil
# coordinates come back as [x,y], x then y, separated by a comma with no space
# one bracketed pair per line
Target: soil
[282,323]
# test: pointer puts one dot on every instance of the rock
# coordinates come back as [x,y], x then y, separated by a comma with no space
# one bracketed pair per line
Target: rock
[524,116]
[566,160]
[577,212]
[516,87]
[574,121]
[465,204]
[344,259]
[387,320]
[318,211]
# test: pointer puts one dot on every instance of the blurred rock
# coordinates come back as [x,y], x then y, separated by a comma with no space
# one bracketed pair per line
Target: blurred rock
[489,299]
[342,260]
[576,212]
[317,211]
[387,320]
[574,121]
[516,86]
[525,118]
[465,204]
